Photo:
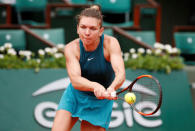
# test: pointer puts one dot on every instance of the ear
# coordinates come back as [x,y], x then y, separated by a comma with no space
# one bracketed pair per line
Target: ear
[101,31]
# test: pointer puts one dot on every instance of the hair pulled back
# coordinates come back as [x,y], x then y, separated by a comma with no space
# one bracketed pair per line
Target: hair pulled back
[93,11]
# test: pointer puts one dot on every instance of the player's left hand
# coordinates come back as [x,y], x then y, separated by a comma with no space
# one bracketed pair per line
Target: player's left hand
[109,92]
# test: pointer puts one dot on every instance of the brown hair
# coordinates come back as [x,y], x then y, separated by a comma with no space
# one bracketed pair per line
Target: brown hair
[93,11]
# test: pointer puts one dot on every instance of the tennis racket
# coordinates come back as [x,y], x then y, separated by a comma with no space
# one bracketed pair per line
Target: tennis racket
[148,92]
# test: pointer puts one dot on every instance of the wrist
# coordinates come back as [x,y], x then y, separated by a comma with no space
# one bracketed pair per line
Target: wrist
[111,88]
[93,86]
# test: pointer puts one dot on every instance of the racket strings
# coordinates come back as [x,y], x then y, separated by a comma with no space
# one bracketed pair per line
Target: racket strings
[147,93]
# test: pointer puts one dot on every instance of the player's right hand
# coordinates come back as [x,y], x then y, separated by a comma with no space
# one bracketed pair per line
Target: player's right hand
[99,91]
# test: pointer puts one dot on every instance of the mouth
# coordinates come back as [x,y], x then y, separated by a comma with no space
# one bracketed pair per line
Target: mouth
[87,39]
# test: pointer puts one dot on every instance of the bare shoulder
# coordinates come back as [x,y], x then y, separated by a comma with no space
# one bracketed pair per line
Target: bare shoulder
[72,48]
[111,46]
[110,41]
[72,45]
[109,38]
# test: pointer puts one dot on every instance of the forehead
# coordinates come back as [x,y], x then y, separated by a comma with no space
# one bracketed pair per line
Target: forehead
[89,21]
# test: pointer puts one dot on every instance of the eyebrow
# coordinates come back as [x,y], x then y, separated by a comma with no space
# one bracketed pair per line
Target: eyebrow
[89,26]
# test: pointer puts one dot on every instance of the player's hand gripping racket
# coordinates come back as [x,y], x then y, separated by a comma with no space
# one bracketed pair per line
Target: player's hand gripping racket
[147,91]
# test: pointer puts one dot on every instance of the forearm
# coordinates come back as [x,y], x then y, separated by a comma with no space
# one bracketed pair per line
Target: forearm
[118,80]
[83,84]
[117,65]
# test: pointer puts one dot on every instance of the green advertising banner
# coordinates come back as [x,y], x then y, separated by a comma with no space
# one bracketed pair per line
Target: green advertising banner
[28,101]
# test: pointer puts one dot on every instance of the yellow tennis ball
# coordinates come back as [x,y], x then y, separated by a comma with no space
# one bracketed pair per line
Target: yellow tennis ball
[130,98]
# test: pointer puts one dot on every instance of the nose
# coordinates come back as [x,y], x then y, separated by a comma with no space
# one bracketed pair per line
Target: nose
[87,32]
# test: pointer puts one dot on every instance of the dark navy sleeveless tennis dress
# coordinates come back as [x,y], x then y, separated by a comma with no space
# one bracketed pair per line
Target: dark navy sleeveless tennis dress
[83,104]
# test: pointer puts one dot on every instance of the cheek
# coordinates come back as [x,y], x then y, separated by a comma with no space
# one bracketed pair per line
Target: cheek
[79,32]
[94,36]
[98,35]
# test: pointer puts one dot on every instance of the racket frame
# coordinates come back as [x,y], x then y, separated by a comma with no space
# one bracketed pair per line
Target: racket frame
[130,90]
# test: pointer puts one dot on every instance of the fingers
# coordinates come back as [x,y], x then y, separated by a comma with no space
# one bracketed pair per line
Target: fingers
[102,93]
[106,94]
[113,94]
[99,92]
[110,96]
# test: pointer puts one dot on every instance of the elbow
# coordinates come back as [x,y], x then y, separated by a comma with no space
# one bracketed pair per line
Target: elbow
[74,83]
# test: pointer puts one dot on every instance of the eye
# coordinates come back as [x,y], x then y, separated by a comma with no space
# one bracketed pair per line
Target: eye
[83,27]
[93,28]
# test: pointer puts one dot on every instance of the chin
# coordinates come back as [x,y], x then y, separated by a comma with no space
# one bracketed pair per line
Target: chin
[87,42]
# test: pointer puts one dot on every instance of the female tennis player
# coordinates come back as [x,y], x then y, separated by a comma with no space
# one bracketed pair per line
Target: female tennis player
[95,67]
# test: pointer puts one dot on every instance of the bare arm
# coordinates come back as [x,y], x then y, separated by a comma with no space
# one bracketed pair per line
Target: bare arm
[74,72]
[117,65]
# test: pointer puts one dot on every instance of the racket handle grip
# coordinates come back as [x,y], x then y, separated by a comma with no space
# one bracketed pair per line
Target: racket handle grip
[113,94]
